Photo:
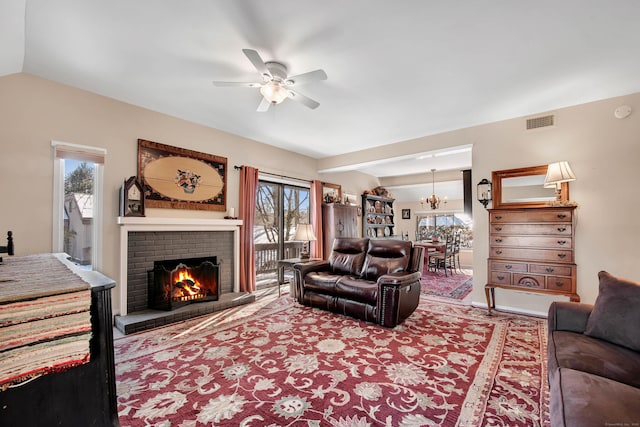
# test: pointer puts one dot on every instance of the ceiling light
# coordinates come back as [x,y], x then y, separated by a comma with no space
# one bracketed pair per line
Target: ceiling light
[274,92]
[434,200]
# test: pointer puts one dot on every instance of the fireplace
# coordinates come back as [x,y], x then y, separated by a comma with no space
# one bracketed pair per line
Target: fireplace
[176,283]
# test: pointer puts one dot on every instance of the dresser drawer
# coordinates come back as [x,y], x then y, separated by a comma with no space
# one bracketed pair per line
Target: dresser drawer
[563,284]
[529,216]
[548,255]
[507,266]
[535,229]
[525,280]
[500,277]
[559,270]
[552,242]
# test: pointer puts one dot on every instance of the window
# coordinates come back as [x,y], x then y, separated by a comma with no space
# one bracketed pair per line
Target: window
[443,224]
[77,198]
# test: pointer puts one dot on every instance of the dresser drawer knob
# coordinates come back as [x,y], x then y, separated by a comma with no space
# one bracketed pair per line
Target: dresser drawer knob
[559,284]
[562,216]
[500,277]
[562,242]
[498,252]
[498,228]
[562,255]
[498,216]
[498,240]
[550,270]
[508,266]
[561,229]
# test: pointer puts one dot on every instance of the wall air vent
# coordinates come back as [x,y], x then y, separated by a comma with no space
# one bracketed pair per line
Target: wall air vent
[540,122]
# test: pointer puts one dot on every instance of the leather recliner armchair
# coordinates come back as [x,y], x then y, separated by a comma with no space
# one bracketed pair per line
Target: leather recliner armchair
[373,280]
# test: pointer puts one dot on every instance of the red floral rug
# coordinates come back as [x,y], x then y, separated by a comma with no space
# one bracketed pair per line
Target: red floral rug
[455,286]
[289,365]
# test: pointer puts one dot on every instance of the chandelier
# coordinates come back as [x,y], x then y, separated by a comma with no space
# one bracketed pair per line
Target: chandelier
[434,201]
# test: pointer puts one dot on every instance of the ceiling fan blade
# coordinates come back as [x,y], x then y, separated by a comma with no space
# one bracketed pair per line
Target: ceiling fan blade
[311,76]
[264,105]
[257,62]
[236,84]
[305,100]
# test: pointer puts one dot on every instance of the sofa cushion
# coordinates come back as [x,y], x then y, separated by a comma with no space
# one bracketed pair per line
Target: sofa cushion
[322,282]
[583,400]
[357,289]
[583,353]
[616,312]
[386,256]
[347,255]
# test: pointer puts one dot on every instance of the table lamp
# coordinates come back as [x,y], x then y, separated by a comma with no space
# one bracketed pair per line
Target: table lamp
[557,173]
[304,233]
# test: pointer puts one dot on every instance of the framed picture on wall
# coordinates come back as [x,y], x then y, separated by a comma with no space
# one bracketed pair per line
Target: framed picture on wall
[406,213]
[177,178]
[331,193]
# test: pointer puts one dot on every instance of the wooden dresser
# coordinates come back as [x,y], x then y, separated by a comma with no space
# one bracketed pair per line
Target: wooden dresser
[532,249]
[338,221]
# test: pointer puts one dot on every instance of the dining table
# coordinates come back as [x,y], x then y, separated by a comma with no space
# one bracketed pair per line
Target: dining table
[430,244]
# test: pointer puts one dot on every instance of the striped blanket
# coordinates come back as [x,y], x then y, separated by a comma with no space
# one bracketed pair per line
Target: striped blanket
[45,322]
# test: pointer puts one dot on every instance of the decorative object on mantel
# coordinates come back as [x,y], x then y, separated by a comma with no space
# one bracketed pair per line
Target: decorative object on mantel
[231,214]
[434,201]
[131,198]
[484,192]
[304,233]
[178,178]
[557,173]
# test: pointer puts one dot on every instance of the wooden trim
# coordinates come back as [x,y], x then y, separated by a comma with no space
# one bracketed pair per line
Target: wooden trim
[498,176]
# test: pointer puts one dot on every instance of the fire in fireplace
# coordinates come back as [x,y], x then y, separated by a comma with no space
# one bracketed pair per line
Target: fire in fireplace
[175,283]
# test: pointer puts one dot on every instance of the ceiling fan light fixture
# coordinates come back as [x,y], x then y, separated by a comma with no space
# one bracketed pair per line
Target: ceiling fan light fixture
[274,92]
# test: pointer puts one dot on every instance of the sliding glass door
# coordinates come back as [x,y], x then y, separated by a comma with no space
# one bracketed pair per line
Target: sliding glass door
[280,207]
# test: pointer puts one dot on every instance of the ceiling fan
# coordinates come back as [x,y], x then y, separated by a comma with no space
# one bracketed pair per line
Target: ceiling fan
[276,84]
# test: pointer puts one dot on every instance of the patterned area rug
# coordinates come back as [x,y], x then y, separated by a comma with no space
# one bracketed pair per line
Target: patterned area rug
[446,365]
[455,286]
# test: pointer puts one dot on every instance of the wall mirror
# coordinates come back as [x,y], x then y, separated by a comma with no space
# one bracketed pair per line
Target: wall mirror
[524,188]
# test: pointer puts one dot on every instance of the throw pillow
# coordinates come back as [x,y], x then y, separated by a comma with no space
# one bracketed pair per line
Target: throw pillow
[616,312]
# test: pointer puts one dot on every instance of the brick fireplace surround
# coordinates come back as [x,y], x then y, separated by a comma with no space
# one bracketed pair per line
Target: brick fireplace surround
[149,239]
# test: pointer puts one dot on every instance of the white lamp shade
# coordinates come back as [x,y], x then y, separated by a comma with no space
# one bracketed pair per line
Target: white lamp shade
[558,173]
[304,233]
[274,92]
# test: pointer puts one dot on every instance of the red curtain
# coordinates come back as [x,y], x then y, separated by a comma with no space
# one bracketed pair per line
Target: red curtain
[248,190]
[316,218]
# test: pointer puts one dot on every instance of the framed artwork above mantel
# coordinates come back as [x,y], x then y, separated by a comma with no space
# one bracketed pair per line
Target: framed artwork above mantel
[178,178]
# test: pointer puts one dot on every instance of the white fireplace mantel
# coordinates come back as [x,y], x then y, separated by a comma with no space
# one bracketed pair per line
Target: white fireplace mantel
[142,224]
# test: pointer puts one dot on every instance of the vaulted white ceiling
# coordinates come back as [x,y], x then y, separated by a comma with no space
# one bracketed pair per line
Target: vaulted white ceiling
[396,70]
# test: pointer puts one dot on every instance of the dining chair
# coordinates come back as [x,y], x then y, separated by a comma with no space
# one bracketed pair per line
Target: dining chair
[444,259]
[456,251]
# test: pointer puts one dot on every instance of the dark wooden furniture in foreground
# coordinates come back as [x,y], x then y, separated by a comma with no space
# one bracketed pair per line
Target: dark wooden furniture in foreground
[80,396]
[532,250]
[9,248]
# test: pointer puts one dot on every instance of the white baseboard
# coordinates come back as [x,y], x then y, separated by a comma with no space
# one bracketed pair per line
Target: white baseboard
[513,310]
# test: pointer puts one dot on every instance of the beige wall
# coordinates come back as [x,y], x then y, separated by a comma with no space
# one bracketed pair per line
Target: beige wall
[603,152]
[35,111]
